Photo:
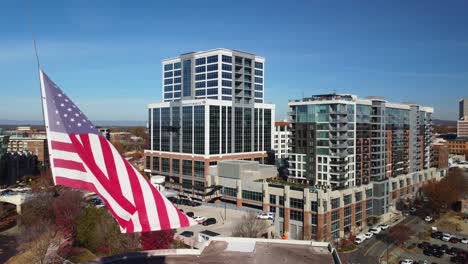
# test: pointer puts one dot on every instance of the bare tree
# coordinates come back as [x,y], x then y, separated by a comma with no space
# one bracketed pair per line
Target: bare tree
[250,226]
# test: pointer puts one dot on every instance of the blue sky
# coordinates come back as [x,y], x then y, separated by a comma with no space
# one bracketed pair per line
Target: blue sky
[106,54]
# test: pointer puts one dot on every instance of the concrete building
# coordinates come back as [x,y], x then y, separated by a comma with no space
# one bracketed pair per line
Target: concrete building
[198,125]
[462,124]
[304,212]
[281,139]
[352,141]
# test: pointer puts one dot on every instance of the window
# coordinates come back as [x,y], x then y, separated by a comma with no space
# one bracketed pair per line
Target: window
[259,87]
[212,91]
[199,129]
[165,165]
[257,94]
[212,75]
[296,203]
[175,167]
[313,206]
[177,87]
[230,191]
[187,75]
[258,72]
[335,203]
[168,81]
[200,92]
[212,67]
[147,162]
[358,196]
[258,80]
[226,83]
[212,59]
[227,91]
[156,163]
[272,199]
[177,80]
[258,65]
[200,69]
[227,75]
[297,215]
[176,65]
[187,167]
[368,193]
[168,88]
[226,98]
[227,67]
[177,73]
[199,169]
[168,67]
[281,200]
[254,196]
[200,77]
[167,74]
[177,94]
[212,83]
[227,59]
[347,199]
[200,61]
[200,85]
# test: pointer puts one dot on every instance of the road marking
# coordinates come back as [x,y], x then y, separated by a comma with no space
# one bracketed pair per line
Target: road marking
[371,247]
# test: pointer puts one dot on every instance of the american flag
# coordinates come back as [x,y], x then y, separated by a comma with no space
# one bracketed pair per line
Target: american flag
[82,158]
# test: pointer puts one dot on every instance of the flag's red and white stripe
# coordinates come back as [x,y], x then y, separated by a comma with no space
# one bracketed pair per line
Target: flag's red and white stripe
[90,162]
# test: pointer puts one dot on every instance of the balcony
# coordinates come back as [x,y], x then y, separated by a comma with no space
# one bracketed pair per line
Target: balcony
[338,128]
[339,146]
[338,120]
[340,154]
[338,112]
[336,162]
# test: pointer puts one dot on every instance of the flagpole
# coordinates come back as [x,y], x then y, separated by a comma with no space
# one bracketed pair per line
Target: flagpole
[36,53]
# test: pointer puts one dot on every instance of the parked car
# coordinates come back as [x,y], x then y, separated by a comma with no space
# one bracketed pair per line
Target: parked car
[428,252]
[360,238]
[464,240]
[209,221]
[190,214]
[187,234]
[437,235]
[444,248]
[199,219]
[369,235]
[266,216]
[375,230]
[428,219]
[454,240]
[384,226]
[407,261]
[424,245]
[7,193]
[446,237]
[195,204]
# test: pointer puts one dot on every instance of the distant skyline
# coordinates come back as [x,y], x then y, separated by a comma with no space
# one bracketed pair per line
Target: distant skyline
[106,55]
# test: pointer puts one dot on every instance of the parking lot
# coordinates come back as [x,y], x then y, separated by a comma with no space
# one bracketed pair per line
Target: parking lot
[225,220]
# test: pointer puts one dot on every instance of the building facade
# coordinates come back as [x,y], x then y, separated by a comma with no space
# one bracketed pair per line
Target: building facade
[462,123]
[219,74]
[281,139]
[351,141]
[458,146]
[200,122]
[440,154]
[307,213]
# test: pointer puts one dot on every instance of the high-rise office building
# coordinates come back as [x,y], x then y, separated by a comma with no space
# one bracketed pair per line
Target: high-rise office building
[351,141]
[462,123]
[213,109]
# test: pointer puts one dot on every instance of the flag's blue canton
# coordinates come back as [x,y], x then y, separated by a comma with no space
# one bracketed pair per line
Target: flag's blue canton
[64,115]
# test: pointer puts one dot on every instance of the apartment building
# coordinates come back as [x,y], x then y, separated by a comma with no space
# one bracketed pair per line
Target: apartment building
[458,146]
[281,139]
[213,109]
[35,144]
[351,141]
